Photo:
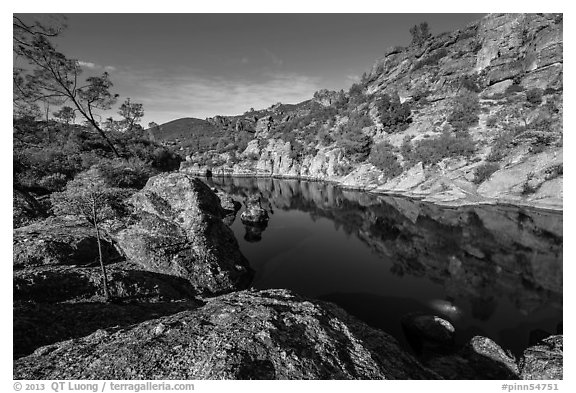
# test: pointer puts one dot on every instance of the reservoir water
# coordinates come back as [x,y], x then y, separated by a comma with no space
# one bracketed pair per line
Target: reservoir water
[491,270]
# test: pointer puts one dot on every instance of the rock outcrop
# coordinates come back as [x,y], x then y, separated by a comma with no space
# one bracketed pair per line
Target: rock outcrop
[269,334]
[56,241]
[179,231]
[50,284]
[481,358]
[544,360]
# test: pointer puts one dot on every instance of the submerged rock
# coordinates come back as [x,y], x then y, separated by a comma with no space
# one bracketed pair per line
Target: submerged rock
[544,360]
[270,334]
[428,331]
[179,231]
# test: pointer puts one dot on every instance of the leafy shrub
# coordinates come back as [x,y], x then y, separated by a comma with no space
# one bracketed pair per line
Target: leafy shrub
[252,156]
[534,96]
[501,146]
[491,121]
[514,88]
[471,83]
[53,182]
[554,171]
[431,59]
[132,173]
[356,144]
[394,115]
[381,157]
[484,171]
[465,111]
[433,150]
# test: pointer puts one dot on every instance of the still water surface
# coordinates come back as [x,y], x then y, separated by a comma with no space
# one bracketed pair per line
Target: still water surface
[495,271]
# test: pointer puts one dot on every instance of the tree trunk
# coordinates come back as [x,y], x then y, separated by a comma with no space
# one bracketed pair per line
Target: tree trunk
[104,277]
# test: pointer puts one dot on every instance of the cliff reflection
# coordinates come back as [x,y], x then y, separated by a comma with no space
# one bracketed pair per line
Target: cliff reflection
[478,253]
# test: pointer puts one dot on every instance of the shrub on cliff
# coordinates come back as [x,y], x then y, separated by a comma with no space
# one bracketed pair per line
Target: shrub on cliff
[420,33]
[484,171]
[465,111]
[382,157]
[394,115]
[433,150]
[356,144]
[431,59]
[534,96]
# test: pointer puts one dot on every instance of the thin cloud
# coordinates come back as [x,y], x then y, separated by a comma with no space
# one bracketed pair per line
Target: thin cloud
[353,78]
[168,97]
[244,60]
[94,66]
[276,60]
[87,64]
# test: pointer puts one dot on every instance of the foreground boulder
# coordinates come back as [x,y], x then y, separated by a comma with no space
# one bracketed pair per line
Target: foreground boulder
[179,231]
[270,334]
[39,324]
[65,283]
[544,360]
[56,241]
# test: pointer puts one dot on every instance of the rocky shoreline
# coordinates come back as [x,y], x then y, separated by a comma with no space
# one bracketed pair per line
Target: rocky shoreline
[438,199]
[181,310]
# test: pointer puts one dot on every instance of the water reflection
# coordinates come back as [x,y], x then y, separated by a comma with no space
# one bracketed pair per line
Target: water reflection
[493,270]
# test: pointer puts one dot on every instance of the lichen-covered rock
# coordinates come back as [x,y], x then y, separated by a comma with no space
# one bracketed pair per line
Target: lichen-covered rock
[544,360]
[38,325]
[481,358]
[56,241]
[269,334]
[179,231]
[126,281]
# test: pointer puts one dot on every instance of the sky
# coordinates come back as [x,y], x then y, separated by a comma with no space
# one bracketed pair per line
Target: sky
[201,65]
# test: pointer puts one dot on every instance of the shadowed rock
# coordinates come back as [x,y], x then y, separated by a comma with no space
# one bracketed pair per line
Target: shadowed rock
[269,334]
[428,332]
[55,241]
[64,283]
[25,208]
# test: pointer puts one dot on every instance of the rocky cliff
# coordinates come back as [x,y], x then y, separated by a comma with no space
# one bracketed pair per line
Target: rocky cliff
[470,116]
